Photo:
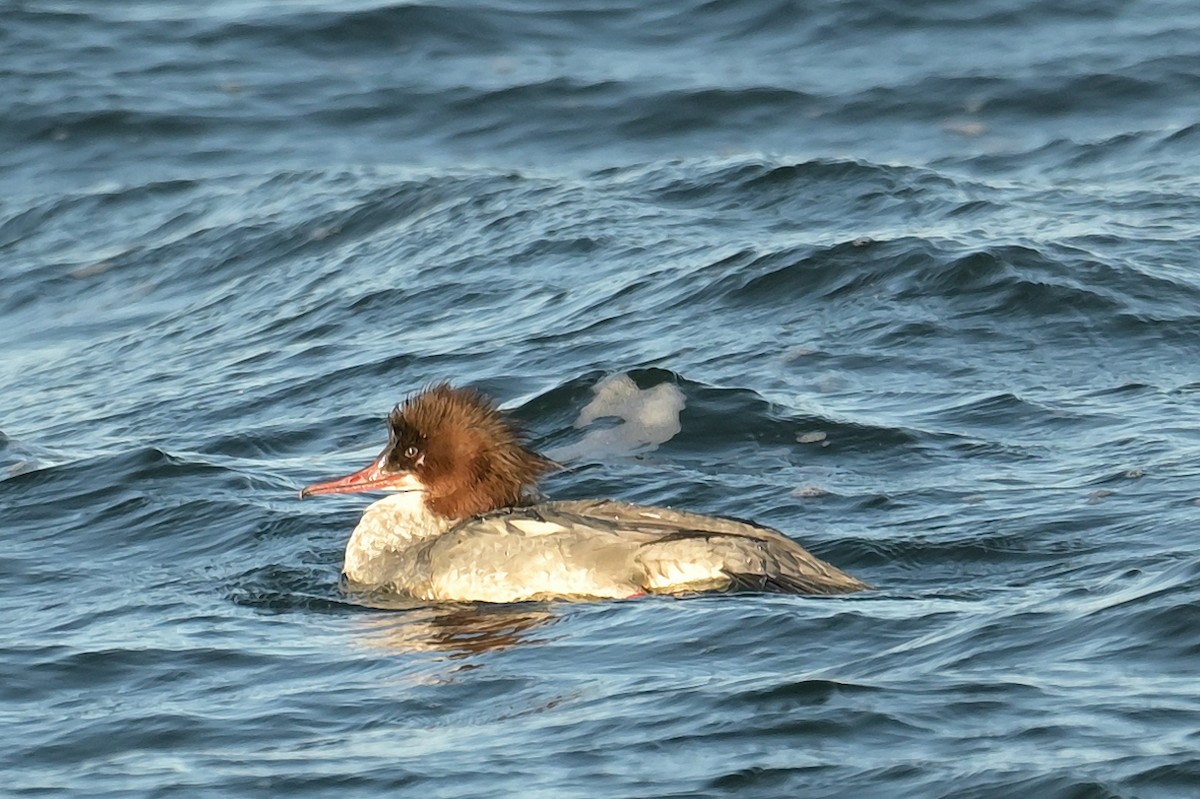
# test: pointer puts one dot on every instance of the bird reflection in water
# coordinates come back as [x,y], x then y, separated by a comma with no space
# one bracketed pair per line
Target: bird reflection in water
[459,631]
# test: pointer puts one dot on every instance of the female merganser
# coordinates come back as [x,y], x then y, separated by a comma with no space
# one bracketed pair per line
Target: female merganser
[458,525]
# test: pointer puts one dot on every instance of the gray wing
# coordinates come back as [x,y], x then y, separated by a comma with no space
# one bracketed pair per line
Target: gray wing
[681,552]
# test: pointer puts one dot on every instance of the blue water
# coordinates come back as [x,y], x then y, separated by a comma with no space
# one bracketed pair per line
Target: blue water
[923,273]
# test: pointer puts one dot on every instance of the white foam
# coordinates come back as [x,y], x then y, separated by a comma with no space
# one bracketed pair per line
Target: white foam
[648,418]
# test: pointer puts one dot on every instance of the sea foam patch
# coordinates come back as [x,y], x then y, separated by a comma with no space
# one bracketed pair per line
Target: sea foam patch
[644,419]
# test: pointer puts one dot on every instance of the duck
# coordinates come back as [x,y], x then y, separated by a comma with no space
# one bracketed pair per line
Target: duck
[461,521]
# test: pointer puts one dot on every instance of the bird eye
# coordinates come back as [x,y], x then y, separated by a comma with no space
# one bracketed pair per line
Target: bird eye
[410,452]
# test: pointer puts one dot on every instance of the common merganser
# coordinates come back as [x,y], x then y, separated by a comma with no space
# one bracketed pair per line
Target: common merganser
[458,524]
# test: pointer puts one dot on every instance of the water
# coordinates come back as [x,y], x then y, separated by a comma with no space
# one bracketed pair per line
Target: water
[921,276]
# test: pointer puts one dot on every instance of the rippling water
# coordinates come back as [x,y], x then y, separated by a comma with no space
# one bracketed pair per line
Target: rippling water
[914,282]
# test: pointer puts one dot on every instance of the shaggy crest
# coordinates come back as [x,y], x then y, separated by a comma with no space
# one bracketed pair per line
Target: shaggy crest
[466,451]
